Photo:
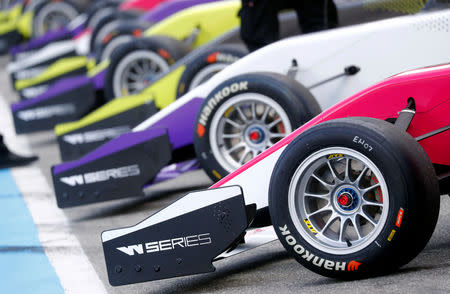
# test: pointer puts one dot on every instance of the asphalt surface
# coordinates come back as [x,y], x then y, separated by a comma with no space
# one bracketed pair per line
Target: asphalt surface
[267,269]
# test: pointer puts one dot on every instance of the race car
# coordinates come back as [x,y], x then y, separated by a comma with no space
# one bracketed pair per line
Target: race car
[85,21]
[353,193]
[32,75]
[236,115]
[163,47]
[348,13]
[108,39]
[26,19]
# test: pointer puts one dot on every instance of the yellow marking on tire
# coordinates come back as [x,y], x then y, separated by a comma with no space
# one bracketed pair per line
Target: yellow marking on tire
[310,227]
[216,174]
[335,156]
[229,110]
[391,235]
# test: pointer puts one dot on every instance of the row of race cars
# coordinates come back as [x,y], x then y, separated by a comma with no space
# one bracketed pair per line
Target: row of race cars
[306,141]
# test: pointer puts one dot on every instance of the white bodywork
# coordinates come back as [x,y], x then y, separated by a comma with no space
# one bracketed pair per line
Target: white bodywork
[381,49]
[79,45]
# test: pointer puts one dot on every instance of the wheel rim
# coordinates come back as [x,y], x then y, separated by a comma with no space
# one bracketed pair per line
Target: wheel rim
[245,126]
[137,71]
[206,73]
[54,16]
[338,200]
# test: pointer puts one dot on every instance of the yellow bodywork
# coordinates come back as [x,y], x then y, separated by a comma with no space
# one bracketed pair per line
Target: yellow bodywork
[72,63]
[162,93]
[10,19]
[213,20]
[25,24]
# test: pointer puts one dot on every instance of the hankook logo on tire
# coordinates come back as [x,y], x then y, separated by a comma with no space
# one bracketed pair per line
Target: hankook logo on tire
[316,260]
[219,96]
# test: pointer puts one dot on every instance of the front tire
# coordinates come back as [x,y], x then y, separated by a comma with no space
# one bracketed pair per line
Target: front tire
[134,65]
[52,15]
[245,115]
[206,64]
[352,198]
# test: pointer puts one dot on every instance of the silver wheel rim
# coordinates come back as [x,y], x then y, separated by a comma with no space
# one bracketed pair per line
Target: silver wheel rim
[113,44]
[338,200]
[205,74]
[54,16]
[136,72]
[244,126]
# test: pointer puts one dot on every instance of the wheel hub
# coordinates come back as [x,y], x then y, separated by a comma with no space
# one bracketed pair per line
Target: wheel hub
[256,135]
[347,199]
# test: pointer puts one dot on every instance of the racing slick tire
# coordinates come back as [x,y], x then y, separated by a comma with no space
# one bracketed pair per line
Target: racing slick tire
[354,197]
[245,115]
[134,65]
[207,63]
[107,24]
[51,15]
[99,10]
[123,34]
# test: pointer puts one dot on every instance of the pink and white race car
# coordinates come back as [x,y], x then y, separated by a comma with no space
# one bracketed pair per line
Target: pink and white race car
[354,192]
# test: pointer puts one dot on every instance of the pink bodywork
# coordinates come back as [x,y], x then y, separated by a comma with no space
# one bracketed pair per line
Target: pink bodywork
[143,5]
[430,88]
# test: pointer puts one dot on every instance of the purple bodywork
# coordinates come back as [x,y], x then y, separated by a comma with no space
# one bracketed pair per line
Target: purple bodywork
[52,36]
[178,125]
[58,89]
[168,8]
[157,14]
[175,170]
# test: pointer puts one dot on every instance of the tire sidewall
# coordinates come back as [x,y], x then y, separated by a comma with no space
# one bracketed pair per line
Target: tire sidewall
[41,8]
[375,256]
[123,32]
[218,55]
[154,45]
[247,83]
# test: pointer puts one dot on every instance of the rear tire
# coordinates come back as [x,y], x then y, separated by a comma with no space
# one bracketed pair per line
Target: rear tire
[354,224]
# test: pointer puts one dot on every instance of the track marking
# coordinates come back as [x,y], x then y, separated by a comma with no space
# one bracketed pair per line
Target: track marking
[62,248]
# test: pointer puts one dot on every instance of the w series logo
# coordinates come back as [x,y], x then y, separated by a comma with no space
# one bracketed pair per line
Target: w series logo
[102,176]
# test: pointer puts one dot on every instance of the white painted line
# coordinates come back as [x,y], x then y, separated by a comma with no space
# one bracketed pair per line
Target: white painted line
[63,249]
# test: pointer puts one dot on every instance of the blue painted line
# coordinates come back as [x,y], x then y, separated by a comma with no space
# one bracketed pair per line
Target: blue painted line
[24,266]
